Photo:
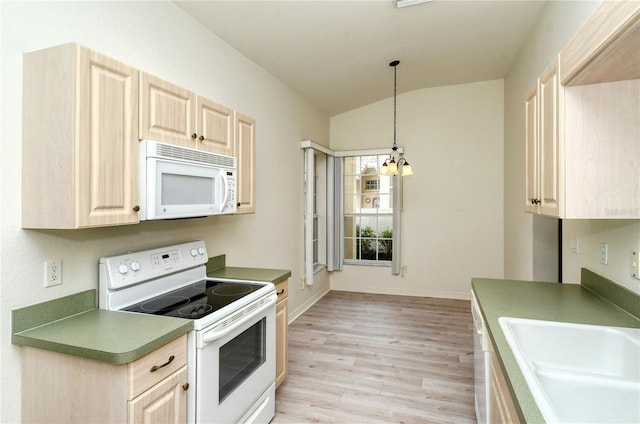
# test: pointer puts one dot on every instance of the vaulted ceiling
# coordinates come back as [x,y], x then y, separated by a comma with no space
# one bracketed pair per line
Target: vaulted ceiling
[336,53]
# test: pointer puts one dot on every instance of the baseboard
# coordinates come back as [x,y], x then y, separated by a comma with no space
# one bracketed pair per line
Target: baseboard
[306,305]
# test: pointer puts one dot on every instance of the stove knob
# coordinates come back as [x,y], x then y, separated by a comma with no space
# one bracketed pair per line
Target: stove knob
[194,252]
[200,250]
[135,266]
[122,269]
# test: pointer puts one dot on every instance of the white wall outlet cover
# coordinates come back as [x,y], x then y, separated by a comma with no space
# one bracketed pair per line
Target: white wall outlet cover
[53,273]
[635,264]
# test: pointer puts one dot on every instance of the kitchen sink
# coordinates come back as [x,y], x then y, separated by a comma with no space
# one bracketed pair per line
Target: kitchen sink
[578,373]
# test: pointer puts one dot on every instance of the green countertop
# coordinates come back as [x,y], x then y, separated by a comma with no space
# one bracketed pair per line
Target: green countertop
[545,301]
[72,325]
[216,268]
[274,276]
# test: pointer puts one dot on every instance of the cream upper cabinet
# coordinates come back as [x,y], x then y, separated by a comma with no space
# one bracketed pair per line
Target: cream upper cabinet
[606,48]
[80,140]
[216,128]
[544,185]
[245,152]
[175,115]
[167,112]
[531,151]
[588,122]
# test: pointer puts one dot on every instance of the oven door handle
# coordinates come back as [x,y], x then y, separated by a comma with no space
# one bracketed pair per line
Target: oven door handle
[213,335]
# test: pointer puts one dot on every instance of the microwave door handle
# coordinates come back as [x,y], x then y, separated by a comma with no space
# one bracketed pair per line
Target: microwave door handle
[225,184]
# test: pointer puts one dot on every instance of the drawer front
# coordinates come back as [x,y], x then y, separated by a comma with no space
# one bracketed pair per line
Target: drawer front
[156,366]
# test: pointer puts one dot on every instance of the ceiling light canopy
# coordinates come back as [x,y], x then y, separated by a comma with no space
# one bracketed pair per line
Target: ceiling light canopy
[403,3]
[390,166]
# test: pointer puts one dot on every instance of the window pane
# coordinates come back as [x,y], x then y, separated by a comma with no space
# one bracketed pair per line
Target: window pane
[368,210]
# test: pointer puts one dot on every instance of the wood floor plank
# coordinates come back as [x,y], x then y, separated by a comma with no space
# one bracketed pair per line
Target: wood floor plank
[369,358]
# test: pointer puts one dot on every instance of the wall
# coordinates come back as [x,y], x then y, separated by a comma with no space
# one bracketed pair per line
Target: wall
[161,39]
[525,234]
[452,216]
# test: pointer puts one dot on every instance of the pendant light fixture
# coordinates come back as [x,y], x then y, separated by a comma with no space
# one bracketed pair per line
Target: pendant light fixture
[390,166]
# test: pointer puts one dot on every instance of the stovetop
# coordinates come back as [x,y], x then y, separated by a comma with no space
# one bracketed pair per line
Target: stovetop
[195,300]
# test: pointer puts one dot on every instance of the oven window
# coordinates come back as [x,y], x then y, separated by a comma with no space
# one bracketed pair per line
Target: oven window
[241,356]
[187,190]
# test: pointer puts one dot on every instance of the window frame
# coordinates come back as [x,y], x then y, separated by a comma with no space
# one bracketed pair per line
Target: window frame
[359,175]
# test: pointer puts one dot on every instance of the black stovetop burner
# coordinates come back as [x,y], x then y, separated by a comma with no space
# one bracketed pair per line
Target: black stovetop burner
[196,300]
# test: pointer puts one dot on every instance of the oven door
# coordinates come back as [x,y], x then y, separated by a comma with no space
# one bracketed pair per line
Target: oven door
[235,367]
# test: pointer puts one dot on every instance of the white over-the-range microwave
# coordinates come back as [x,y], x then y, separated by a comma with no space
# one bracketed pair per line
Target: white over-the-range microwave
[178,182]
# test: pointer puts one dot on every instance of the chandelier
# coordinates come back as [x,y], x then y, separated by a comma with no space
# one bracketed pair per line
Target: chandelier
[390,166]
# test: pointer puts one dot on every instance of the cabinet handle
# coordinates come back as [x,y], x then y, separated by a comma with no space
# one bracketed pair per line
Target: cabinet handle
[238,205]
[185,386]
[280,292]
[194,135]
[157,367]
[136,208]
[201,138]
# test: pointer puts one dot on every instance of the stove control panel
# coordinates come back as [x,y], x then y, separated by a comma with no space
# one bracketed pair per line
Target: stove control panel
[128,269]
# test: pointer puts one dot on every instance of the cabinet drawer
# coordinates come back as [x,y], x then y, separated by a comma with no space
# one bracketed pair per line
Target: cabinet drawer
[156,366]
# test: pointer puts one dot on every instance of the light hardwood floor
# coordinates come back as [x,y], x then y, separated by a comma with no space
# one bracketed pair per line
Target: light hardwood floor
[368,358]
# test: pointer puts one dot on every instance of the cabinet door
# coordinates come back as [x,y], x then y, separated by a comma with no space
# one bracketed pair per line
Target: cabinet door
[107,141]
[550,154]
[502,409]
[167,112]
[531,151]
[166,402]
[245,152]
[282,333]
[215,127]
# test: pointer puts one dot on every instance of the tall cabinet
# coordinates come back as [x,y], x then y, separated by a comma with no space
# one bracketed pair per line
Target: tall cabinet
[80,140]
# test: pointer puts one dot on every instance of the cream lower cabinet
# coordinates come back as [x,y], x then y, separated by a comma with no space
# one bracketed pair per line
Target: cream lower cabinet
[501,409]
[245,151]
[63,388]
[172,114]
[282,332]
[79,140]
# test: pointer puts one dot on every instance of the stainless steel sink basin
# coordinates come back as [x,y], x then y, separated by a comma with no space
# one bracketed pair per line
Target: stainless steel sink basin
[578,373]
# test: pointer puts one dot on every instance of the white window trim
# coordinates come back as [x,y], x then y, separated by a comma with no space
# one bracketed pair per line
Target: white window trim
[334,256]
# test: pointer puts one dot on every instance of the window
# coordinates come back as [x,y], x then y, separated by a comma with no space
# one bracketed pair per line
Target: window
[368,211]
[315,212]
[352,213]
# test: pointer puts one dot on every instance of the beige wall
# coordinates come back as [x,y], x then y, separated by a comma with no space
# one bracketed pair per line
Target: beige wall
[159,38]
[525,234]
[452,217]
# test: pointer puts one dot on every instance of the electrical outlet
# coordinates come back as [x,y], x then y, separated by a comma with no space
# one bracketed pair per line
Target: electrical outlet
[575,244]
[604,253]
[635,264]
[53,273]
